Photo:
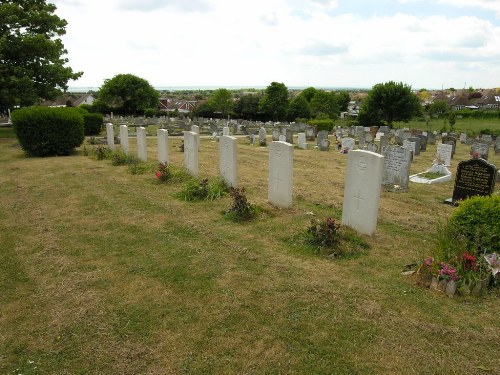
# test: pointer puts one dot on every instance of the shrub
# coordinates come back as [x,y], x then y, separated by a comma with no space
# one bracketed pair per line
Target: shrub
[121,158]
[92,123]
[163,174]
[322,124]
[240,210]
[44,131]
[477,221]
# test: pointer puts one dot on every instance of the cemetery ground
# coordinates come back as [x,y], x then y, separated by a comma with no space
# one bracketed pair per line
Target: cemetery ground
[106,272]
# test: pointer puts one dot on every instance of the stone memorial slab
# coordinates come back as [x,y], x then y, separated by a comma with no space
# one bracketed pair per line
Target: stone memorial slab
[497,145]
[323,134]
[142,153]
[368,137]
[110,136]
[301,140]
[474,177]
[124,139]
[384,141]
[325,145]
[410,146]
[225,130]
[162,136]
[276,135]
[423,142]
[289,136]
[480,147]
[463,138]
[443,153]
[415,140]
[372,147]
[228,160]
[487,137]
[310,133]
[431,139]
[347,145]
[196,129]
[280,174]
[282,138]
[397,162]
[191,152]
[362,191]
[262,137]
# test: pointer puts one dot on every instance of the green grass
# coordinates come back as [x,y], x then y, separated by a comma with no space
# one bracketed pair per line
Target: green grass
[461,125]
[7,133]
[106,272]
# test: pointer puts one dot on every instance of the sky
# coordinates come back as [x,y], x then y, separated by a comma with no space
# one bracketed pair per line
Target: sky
[430,44]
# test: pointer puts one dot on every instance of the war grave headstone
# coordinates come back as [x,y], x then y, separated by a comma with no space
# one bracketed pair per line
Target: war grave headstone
[191,152]
[310,133]
[289,136]
[280,174]
[124,139]
[142,153]
[301,140]
[262,137]
[474,177]
[480,147]
[228,160]
[397,162]
[362,191]
[416,140]
[276,135]
[162,135]
[443,153]
[225,130]
[110,136]
[323,134]
[347,145]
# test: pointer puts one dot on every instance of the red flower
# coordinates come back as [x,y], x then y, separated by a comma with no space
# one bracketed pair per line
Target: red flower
[158,174]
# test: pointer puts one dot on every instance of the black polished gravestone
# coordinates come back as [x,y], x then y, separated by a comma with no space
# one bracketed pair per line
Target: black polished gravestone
[474,177]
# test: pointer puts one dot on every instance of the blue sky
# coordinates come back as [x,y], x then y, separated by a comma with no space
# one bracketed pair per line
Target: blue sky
[322,43]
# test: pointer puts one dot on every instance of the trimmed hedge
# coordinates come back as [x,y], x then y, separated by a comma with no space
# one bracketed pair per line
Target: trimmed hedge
[322,124]
[92,123]
[44,131]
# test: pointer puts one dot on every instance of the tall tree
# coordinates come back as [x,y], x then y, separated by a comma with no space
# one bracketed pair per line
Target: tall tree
[274,103]
[222,101]
[325,103]
[389,102]
[247,106]
[343,98]
[128,94]
[308,93]
[299,108]
[32,66]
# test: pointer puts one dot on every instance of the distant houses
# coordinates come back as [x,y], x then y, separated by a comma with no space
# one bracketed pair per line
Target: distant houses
[70,100]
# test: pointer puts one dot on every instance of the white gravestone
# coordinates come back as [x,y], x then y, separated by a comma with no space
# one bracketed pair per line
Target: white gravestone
[110,136]
[397,162]
[301,140]
[362,191]
[162,135]
[196,129]
[262,137]
[228,160]
[444,152]
[410,145]
[225,130]
[124,139]
[191,152]
[142,153]
[280,174]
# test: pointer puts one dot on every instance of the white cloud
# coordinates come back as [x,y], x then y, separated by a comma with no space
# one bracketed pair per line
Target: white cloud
[151,5]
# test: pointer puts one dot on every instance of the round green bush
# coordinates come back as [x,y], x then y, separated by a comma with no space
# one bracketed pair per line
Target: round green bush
[92,123]
[322,124]
[44,131]
[477,221]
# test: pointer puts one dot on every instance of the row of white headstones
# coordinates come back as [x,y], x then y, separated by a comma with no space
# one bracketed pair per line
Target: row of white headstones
[362,184]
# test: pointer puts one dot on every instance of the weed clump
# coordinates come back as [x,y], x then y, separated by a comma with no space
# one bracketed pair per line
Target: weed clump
[240,210]
[199,190]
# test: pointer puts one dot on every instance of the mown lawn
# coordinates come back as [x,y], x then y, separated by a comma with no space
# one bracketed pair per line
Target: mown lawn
[106,272]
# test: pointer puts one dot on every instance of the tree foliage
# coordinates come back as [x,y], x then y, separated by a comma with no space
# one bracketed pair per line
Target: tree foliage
[32,66]
[389,102]
[274,103]
[128,94]
[325,103]
[438,107]
[222,101]
[308,93]
[247,107]
[299,108]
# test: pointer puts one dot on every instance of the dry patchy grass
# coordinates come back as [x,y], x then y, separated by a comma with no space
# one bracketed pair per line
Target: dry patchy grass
[104,272]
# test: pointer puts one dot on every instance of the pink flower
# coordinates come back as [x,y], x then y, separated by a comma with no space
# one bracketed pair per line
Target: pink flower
[158,174]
